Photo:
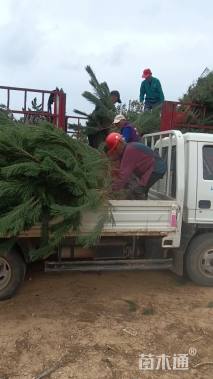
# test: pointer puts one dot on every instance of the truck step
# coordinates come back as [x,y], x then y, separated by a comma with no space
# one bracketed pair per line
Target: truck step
[109,265]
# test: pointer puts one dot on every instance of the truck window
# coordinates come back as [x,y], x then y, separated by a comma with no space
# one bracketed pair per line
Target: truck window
[208,162]
[164,155]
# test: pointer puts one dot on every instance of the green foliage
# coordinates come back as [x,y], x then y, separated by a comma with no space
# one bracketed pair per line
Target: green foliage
[103,115]
[149,122]
[6,117]
[35,106]
[33,118]
[145,122]
[201,92]
[50,178]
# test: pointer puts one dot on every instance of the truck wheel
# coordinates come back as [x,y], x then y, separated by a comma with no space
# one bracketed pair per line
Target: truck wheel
[12,273]
[199,260]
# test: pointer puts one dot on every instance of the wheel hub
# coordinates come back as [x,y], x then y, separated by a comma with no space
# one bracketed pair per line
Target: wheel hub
[5,273]
[207,263]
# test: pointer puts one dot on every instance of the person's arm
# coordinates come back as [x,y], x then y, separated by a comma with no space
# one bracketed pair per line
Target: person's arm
[126,169]
[160,91]
[142,92]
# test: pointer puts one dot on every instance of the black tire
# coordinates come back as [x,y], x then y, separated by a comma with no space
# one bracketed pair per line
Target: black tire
[199,260]
[12,273]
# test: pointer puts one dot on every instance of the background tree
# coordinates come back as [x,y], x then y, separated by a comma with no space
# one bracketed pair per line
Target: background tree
[33,118]
[201,92]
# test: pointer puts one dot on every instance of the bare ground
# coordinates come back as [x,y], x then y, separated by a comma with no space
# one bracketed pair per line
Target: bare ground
[90,326]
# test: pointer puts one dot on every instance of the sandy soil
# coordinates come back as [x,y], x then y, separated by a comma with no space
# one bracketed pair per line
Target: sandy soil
[79,325]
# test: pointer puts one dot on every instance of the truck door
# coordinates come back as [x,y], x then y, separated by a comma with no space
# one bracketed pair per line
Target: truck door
[204,208]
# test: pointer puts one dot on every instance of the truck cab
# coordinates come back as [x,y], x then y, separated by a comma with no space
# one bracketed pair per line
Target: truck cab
[195,253]
[198,198]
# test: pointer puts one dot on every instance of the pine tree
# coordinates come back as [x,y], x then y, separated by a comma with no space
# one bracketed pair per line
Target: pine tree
[103,115]
[33,118]
[49,178]
[201,92]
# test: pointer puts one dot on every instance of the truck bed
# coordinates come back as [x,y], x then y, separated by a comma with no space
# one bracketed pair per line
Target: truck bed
[135,217]
[131,218]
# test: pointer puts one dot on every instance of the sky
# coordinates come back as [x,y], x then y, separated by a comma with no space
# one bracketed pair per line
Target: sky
[46,43]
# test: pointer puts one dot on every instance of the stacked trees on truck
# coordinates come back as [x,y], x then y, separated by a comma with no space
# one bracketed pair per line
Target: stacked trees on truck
[48,178]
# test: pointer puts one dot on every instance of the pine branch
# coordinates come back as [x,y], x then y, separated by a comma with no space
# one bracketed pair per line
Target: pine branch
[92,98]
[94,82]
[81,113]
[26,169]
[20,218]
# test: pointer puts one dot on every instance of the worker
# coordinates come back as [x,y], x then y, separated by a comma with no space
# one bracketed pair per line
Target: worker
[51,99]
[140,167]
[96,136]
[127,130]
[115,96]
[151,87]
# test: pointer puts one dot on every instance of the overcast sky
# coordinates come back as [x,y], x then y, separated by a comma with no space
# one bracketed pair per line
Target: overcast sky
[47,43]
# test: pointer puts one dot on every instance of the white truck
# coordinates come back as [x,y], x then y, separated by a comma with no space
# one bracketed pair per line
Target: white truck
[173,229]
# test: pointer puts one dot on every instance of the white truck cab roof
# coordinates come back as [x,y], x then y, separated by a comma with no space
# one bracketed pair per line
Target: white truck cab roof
[202,137]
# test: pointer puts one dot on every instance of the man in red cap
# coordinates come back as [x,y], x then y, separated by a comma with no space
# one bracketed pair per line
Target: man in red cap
[150,87]
[140,167]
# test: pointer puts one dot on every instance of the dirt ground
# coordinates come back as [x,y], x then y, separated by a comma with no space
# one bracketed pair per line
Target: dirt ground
[94,326]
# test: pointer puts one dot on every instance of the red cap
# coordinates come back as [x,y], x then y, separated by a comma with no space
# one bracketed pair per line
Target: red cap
[146,73]
[112,141]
